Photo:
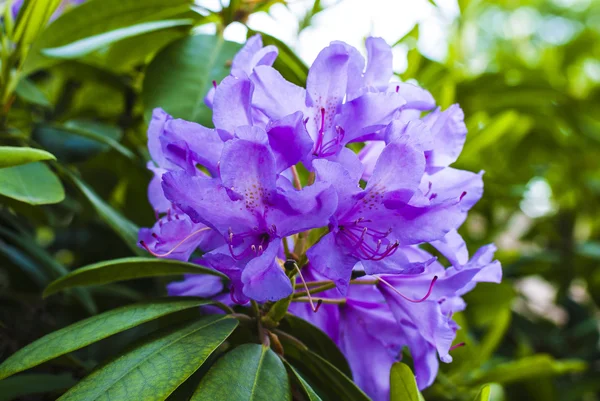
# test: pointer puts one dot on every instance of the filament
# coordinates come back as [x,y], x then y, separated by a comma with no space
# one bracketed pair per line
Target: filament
[162,255]
[312,306]
[416,301]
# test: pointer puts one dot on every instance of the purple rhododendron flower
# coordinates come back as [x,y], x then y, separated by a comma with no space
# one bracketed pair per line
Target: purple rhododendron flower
[233,195]
[388,312]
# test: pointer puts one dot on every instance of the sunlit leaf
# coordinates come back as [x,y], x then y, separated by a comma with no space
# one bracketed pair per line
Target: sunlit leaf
[181,75]
[403,386]
[84,46]
[32,183]
[15,156]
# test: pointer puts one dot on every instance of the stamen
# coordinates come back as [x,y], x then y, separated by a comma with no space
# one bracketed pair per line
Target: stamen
[462,195]
[397,88]
[162,255]
[416,301]
[457,346]
[214,84]
[312,306]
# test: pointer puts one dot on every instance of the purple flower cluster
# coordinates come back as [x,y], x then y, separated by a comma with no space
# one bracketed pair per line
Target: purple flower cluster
[233,194]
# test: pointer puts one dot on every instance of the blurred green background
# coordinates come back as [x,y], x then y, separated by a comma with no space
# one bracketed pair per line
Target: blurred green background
[526,73]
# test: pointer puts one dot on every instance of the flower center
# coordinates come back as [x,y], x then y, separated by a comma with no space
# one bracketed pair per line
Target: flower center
[250,243]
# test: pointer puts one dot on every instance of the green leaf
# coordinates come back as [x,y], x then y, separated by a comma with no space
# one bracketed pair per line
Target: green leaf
[15,156]
[93,329]
[484,393]
[123,227]
[325,378]
[30,93]
[79,140]
[403,386]
[531,367]
[250,372]
[84,46]
[180,76]
[125,269]
[96,17]
[32,18]
[33,383]
[154,369]
[316,340]
[32,183]
[306,388]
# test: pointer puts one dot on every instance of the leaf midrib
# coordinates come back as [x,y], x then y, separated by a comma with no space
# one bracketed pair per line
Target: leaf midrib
[158,351]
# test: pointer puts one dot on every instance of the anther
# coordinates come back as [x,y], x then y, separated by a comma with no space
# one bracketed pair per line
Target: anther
[456,346]
[214,84]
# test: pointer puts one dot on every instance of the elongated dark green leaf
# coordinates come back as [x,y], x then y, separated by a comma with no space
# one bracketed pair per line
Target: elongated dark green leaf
[33,383]
[27,91]
[51,267]
[322,376]
[484,393]
[93,329]
[123,227]
[535,366]
[84,46]
[15,156]
[180,76]
[96,17]
[32,183]
[154,369]
[403,386]
[125,269]
[79,140]
[251,372]
[308,391]
[316,340]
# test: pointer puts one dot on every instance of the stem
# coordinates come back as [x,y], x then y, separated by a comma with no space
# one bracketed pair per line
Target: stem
[296,176]
[315,290]
[315,283]
[333,301]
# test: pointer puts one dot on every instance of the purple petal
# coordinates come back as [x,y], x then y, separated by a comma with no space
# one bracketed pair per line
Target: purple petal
[295,211]
[326,86]
[344,181]
[251,55]
[371,327]
[369,155]
[379,63]
[264,280]
[156,130]
[187,144]
[454,248]
[156,196]
[368,114]
[231,107]
[208,202]
[275,96]
[332,261]
[196,285]
[449,134]
[398,171]
[248,168]
[289,140]
[416,97]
